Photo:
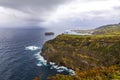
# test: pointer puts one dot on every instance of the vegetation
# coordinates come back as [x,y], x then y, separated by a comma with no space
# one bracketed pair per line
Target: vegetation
[94,57]
[108,29]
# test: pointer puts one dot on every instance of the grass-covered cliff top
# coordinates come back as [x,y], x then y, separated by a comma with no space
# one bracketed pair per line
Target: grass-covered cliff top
[91,57]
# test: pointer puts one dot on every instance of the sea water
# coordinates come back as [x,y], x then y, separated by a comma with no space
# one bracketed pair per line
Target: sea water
[20,57]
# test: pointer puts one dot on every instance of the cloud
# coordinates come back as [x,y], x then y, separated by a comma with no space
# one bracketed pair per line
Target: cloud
[26,12]
[85,9]
[59,13]
[30,4]
[10,16]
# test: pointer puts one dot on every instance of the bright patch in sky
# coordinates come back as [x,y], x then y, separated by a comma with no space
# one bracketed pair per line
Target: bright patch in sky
[86,10]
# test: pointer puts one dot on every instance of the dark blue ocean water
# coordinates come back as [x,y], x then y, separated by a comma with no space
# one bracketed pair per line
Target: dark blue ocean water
[17,63]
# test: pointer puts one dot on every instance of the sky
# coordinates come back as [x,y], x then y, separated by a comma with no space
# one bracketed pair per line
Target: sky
[77,14]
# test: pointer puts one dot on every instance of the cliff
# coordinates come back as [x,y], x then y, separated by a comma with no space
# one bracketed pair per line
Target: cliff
[94,57]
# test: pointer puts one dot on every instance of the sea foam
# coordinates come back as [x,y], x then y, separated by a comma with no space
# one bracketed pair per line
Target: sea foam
[61,68]
[42,61]
[32,48]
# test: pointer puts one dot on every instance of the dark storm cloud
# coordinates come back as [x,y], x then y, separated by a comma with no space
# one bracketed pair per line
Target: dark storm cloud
[29,5]
[36,10]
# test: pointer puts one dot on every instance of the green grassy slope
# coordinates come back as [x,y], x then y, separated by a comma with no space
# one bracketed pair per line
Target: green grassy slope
[92,57]
[108,29]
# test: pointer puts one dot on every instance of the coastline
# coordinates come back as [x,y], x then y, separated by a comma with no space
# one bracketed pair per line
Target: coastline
[62,50]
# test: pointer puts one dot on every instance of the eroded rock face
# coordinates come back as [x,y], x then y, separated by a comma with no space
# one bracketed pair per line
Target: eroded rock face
[83,53]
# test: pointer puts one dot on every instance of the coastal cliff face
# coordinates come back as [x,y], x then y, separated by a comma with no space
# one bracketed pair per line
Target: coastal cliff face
[91,57]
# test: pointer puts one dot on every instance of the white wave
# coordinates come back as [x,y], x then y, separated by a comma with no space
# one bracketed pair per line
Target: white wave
[60,71]
[32,48]
[42,61]
[52,63]
[61,68]
[71,72]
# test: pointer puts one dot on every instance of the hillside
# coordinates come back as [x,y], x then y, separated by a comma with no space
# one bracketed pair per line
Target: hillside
[91,57]
[113,29]
[108,29]
[94,57]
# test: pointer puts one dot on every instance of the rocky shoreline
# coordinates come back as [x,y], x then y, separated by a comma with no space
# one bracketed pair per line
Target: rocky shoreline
[83,54]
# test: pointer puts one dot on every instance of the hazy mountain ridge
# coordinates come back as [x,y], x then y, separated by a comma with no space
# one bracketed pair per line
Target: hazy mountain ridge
[108,29]
[113,29]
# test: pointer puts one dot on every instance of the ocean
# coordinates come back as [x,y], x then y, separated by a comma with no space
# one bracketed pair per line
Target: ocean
[20,55]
